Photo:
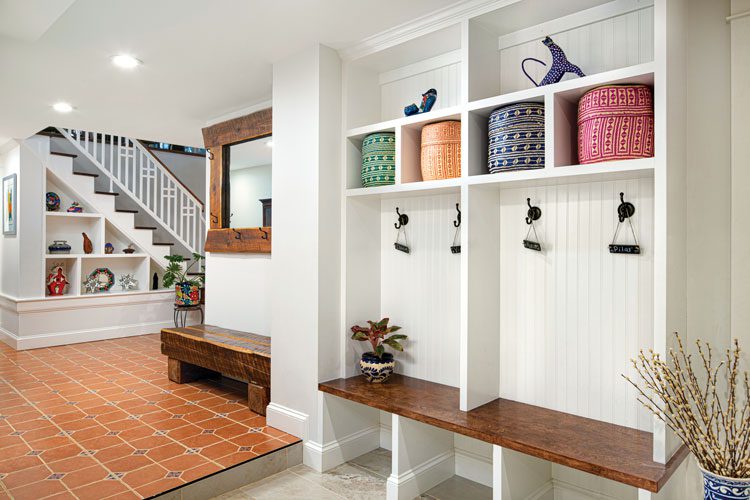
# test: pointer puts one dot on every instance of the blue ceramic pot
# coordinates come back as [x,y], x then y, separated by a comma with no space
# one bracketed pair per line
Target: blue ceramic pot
[377,370]
[717,487]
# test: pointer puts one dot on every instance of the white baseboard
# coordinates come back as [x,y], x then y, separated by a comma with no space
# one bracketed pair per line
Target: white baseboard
[545,492]
[286,419]
[416,481]
[323,457]
[473,466]
[9,338]
[75,337]
[568,491]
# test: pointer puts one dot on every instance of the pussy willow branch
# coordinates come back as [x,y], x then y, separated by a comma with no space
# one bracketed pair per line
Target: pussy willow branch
[716,429]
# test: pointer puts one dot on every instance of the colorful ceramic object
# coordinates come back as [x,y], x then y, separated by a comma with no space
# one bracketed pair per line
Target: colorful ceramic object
[56,282]
[441,150]
[560,65]
[428,101]
[75,208]
[52,202]
[59,247]
[516,137]
[109,248]
[88,246]
[375,369]
[104,278]
[129,249]
[379,159]
[186,294]
[615,122]
[717,487]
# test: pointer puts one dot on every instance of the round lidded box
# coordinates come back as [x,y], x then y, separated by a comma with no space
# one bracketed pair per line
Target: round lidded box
[441,150]
[615,122]
[516,137]
[379,159]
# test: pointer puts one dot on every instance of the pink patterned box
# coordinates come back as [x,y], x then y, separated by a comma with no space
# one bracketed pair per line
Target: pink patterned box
[615,122]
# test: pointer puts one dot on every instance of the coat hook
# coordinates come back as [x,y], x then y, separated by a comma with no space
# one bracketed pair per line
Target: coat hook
[457,223]
[214,218]
[534,213]
[456,246]
[625,210]
[210,154]
[237,234]
[403,220]
[265,233]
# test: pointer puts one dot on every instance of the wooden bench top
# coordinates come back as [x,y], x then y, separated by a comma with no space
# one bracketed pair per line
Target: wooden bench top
[224,337]
[607,450]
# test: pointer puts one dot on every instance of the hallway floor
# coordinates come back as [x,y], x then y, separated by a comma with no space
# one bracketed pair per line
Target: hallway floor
[101,420]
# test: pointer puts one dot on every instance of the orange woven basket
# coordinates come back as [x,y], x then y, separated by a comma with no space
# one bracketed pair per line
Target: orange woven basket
[441,150]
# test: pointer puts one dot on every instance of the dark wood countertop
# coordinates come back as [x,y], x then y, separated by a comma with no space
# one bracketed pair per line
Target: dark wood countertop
[611,451]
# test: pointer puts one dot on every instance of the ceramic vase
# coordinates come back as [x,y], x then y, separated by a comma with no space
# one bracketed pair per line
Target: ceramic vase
[377,370]
[186,294]
[717,487]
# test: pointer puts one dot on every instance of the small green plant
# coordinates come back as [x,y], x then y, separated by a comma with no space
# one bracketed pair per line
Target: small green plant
[379,334]
[176,274]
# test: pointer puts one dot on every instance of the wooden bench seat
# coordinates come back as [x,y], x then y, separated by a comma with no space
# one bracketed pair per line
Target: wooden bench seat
[196,351]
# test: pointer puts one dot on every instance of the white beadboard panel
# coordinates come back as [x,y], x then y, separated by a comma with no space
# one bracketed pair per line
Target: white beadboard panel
[420,291]
[396,95]
[572,316]
[617,42]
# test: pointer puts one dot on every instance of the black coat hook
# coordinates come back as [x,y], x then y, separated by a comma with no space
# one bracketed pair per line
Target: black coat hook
[265,233]
[237,234]
[214,219]
[625,210]
[457,223]
[534,213]
[403,220]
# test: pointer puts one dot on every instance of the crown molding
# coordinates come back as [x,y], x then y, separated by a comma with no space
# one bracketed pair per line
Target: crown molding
[439,19]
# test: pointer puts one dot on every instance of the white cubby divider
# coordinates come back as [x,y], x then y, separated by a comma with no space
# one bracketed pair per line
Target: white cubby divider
[554,329]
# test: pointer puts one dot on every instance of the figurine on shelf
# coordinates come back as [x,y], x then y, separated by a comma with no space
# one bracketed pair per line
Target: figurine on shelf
[88,246]
[127,282]
[53,202]
[109,248]
[560,65]
[129,249]
[56,282]
[428,101]
[75,208]
[91,284]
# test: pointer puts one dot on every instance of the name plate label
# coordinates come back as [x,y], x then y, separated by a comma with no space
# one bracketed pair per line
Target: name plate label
[401,248]
[627,249]
[532,245]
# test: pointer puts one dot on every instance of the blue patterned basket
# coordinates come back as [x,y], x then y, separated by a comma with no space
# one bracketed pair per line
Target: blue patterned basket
[516,137]
[379,159]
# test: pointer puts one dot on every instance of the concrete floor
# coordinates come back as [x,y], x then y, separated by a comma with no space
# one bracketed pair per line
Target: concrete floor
[361,479]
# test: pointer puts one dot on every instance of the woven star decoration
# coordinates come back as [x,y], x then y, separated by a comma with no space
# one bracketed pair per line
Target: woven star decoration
[91,284]
[127,282]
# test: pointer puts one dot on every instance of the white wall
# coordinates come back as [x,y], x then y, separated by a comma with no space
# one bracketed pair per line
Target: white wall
[10,163]
[248,185]
[189,169]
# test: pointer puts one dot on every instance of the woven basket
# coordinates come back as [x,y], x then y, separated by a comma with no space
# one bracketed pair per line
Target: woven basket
[441,150]
[615,122]
[516,137]
[379,159]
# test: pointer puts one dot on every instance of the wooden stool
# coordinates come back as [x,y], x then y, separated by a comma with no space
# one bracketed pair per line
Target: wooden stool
[196,351]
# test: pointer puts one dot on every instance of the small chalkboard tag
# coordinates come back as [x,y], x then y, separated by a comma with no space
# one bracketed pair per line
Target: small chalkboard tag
[401,248]
[632,249]
[456,249]
[532,245]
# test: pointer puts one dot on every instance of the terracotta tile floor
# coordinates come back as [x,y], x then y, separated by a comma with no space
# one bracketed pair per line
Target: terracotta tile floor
[101,420]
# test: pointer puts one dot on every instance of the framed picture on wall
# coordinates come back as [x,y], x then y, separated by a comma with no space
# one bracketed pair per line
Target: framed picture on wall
[10,205]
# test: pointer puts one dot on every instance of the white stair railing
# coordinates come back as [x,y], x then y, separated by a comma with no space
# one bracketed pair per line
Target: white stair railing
[135,171]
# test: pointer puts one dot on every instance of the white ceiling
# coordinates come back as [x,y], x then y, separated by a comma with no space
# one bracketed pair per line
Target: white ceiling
[202,59]
[250,154]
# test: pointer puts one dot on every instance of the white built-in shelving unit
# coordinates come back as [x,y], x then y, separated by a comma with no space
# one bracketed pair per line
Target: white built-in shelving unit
[554,329]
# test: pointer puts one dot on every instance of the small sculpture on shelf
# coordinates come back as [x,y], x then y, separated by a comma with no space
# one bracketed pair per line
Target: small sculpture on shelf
[560,65]
[59,247]
[109,248]
[127,282]
[377,365]
[428,101]
[130,249]
[88,246]
[75,208]
[57,281]
[91,284]
[52,202]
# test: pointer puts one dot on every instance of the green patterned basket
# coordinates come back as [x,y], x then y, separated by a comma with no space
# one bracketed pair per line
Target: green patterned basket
[379,159]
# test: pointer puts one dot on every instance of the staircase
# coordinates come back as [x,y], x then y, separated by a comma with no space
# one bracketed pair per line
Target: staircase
[120,178]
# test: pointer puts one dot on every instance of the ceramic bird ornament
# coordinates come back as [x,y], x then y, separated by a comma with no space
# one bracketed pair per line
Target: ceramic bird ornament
[428,101]
[560,65]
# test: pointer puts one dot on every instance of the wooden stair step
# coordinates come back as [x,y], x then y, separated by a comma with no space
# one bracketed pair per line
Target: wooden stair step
[107,192]
[163,244]
[151,228]
[58,153]
[86,174]
[126,211]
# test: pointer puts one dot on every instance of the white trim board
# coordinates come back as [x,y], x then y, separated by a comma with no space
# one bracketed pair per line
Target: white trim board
[287,419]
[78,336]
[425,476]
[322,457]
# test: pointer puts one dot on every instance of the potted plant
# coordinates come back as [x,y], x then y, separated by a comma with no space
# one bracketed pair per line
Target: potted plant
[187,290]
[709,411]
[377,365]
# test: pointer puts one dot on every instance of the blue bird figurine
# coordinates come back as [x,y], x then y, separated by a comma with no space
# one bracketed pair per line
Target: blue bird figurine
[428,101]
[560,65]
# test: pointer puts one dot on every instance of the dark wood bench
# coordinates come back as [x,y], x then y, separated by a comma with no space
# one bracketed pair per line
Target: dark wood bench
[198,351]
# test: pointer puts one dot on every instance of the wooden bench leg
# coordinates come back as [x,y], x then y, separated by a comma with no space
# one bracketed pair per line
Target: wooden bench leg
[182,373]
[258,397]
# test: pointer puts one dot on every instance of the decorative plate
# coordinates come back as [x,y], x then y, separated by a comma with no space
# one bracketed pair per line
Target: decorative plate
[104,277]
[53,202]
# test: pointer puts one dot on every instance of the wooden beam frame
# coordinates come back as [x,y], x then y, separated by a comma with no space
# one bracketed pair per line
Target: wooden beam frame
[217,140]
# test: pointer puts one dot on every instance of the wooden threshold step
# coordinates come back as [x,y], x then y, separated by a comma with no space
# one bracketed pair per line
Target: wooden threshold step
[126,211]
[163,244]
[58,153]
[611,451]
[151,228]
[86,174]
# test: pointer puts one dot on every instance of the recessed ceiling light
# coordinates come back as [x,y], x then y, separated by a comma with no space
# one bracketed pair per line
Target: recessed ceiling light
[125,61]
[269,144]
[62,107]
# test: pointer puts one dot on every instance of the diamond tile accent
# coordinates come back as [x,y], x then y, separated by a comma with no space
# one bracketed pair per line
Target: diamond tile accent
[17,433]
[151,403]
[208,431]
[245,448]
[129,391]
[221,415]
[140,452]
[134,417]
[255,429]
[174,474]
[192,451]
[160,433]
[34,453]
[89,417]
[165,391]
[112,433]
[71,403]
[178,416]
[57,476]
[65,433]
[115,476]
[3,476]
[87,453]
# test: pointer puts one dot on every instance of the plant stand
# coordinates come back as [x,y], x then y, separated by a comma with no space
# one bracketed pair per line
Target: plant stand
[181,312]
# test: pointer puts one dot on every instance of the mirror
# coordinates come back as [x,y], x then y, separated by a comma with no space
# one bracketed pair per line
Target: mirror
[249,183]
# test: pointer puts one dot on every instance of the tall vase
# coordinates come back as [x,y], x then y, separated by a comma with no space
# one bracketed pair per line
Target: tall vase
[716,487]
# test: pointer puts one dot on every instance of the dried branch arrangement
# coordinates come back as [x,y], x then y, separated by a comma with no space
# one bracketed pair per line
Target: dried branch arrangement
[710,414]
